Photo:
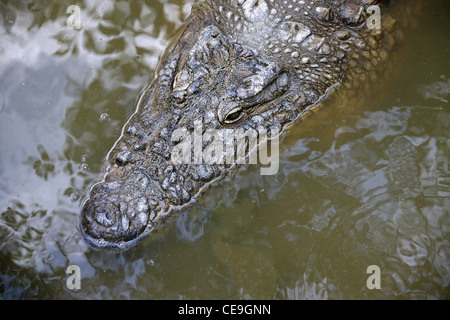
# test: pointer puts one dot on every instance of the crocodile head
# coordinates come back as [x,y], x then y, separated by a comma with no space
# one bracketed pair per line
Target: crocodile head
[241,64]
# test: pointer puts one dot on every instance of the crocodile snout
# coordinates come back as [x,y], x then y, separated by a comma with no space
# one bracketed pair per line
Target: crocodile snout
[107,221]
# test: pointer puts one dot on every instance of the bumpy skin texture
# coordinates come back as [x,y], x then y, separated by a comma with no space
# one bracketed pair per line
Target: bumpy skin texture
[235,63]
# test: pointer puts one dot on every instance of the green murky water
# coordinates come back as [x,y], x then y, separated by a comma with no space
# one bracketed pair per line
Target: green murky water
[357,186]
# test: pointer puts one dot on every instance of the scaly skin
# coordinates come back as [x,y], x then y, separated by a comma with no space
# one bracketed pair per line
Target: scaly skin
[234,64]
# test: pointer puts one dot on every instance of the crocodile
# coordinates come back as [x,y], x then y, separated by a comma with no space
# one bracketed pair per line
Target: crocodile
[233,64]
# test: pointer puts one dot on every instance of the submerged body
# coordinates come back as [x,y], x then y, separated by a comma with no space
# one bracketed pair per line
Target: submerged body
[235,64]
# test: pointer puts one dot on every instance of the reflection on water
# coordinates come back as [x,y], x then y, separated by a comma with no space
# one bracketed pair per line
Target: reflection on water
[357,186]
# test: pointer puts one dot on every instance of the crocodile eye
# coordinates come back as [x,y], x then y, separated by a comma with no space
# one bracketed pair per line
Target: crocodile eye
[234,115]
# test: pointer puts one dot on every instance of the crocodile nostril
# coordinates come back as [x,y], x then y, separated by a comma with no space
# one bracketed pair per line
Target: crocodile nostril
[105,216]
